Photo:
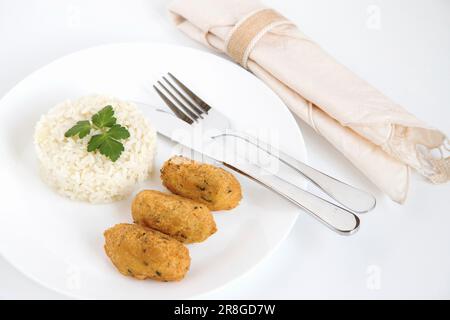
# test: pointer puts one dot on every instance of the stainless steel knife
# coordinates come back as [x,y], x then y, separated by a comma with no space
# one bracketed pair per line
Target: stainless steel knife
[333,216]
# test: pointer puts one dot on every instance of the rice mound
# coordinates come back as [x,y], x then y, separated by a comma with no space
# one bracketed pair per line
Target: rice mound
[72,171]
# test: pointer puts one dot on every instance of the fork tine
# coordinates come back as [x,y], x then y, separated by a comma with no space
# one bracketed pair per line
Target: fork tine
[186,110]
[202,104]
[181,115]
[185,99]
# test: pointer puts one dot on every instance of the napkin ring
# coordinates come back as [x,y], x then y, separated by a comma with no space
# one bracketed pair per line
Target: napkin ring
[249,30]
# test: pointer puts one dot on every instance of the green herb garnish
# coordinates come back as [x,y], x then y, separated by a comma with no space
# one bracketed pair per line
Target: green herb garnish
[108,133]
[104,118]
[82,129]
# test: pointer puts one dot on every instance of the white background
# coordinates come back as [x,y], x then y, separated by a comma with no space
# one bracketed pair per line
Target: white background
[401,46]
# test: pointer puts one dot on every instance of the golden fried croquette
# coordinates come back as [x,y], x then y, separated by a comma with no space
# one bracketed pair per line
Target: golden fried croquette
[184,219]
[213,186]
[143,253]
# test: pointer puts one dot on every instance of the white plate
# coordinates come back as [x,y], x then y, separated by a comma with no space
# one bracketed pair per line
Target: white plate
[59,243]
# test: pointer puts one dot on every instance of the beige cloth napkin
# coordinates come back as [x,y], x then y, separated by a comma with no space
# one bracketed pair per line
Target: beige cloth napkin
[378,136]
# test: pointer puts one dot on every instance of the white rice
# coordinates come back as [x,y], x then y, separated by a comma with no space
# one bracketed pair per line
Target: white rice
[71,170]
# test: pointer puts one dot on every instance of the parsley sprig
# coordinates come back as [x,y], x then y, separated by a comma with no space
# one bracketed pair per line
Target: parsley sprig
[108,133]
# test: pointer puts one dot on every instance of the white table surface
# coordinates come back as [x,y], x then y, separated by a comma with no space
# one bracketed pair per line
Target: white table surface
[400,46]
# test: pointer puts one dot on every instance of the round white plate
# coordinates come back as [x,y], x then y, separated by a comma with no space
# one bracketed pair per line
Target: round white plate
[59,242]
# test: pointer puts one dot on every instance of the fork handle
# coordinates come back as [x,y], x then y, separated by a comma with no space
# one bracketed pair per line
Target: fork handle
[336,218]
[350,197]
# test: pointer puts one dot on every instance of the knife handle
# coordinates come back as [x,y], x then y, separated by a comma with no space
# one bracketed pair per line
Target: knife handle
[336,218]
[350,197]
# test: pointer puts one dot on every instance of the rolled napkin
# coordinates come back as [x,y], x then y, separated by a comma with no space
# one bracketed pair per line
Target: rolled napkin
[378,136]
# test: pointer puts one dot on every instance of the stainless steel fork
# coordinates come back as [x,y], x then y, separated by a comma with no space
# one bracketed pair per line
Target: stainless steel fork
[190,108]
[337,218]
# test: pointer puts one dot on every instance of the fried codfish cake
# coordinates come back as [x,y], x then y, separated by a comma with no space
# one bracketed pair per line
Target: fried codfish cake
[184,219]
[143,253]
[213,186]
